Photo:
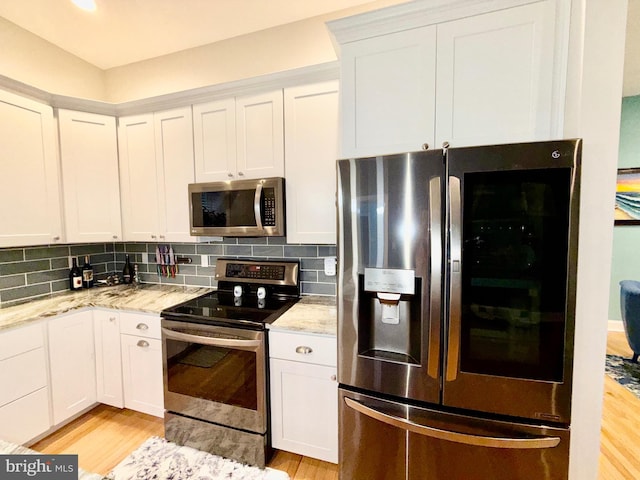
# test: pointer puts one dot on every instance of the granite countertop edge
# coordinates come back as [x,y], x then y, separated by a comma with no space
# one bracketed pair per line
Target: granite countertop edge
[313,314]
[145,298]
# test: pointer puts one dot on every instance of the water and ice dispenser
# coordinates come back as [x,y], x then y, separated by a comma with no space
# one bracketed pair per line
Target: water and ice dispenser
[389,315]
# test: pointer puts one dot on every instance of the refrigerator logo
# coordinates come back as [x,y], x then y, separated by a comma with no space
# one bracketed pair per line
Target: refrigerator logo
[555,154]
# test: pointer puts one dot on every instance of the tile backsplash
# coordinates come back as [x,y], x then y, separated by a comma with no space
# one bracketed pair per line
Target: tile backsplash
[32,272]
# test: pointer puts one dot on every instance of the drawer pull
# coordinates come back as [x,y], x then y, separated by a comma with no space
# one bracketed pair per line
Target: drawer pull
[304,350]
[142,326]
[334,378]
[143,343]
[112,319]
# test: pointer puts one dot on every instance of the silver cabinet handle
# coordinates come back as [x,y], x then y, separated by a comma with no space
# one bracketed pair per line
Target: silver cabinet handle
[304,350]
[241,174]
[142,343]
[230,175]
[112,319]
[525,442]
[425,146]
[334,378]
[142,326]
[153,236]
[56,238]
[115,237]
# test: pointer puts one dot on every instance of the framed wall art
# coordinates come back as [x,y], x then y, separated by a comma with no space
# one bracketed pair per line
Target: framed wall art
[627,209]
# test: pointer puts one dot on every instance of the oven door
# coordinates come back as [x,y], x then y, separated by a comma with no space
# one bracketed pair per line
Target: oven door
[216,374]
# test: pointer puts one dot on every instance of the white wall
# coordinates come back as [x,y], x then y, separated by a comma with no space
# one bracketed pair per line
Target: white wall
[36,62]
[31,60]
[594,94]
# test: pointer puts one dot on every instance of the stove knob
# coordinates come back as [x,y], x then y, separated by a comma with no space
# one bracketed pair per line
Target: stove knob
[262,293]
[261,302]
[237,291]
[237,301]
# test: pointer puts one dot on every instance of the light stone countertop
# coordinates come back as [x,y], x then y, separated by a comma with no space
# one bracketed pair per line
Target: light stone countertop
[312,314]
[148,298]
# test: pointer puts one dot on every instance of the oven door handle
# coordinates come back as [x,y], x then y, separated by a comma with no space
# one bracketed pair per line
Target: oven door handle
[249,345]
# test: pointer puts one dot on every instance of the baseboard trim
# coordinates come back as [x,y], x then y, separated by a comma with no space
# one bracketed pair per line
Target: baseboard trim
[615,326]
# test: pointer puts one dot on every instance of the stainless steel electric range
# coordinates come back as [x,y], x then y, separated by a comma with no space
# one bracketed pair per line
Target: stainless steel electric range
[215,359]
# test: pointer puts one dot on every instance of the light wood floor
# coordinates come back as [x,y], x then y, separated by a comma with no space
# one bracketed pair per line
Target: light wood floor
[105,435]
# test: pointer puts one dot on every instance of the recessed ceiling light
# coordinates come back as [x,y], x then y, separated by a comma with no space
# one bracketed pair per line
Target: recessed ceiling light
[88,5]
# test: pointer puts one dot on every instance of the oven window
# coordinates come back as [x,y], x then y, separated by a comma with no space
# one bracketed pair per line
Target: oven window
[217,374]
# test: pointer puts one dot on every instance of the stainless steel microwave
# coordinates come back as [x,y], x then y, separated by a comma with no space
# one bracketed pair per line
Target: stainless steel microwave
[238,208]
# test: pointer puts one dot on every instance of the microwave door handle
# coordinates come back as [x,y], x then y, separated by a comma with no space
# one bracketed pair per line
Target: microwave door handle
[455,280]
[514,442]
[256,205]
[435,227]
[249,345]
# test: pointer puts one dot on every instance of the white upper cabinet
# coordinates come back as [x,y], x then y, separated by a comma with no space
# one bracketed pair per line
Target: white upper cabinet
[389,86]
[214,130]
[174,157]
[495,77]
[156,165]
[426,75]
[239,138]
[30,180]
[311,146]
[91,192]
[259,130]
[138,178]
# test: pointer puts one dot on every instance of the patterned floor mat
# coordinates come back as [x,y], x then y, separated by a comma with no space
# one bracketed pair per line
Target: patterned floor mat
[625,372]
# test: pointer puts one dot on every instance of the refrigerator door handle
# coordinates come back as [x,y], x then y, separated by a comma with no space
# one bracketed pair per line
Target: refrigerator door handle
[435,228]
[528,442]
[455,280]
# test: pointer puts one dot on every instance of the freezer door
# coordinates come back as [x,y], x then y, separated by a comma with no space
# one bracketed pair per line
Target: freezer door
[390,235]
[385,440]
[513,218]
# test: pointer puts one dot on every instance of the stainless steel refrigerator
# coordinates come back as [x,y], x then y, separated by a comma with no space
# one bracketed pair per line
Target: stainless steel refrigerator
[456,312]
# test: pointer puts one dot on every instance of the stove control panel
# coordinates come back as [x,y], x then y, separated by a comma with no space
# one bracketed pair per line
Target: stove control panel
[258,272]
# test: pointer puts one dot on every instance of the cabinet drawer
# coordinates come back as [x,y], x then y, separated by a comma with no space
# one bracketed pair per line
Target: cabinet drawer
[26,418]
[22,374]
[140,325]
[300,347]
[20,339]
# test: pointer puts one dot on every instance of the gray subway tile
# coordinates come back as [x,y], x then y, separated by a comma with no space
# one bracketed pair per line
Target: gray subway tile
[45,252]
[318,288]
[11,255]
[268,251]
[197,281]
[299,251]
[237,250]
[309,276]
[277,240]
[60,285]
[23,267]
[209,249]
[10,281]
[87,249]
[325,278]
[183,248]
[49,276]
[60,263]
[25,292]
[252,241]
[327,250]
[312,264]
[206,271]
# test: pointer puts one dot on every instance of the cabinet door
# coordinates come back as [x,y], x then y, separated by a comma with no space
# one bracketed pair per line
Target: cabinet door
[311,146]
[174,157]
[106,324]
[304,409]
[495,77]
[388,93]
[214,128]
[138,178]
[259,135]
[142,374]
[30,180]
[72,364]
[89,157]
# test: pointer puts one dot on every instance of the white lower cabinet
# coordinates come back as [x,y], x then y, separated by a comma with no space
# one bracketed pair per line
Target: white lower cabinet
[72,364]
[24,397]
[304,394]
[141,349]
[106,325]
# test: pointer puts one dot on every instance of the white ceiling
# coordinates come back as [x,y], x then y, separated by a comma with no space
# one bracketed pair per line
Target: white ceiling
[120,32]
[126,31]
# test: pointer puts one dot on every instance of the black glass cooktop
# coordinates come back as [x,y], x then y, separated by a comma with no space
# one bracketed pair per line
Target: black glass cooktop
[222,308]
